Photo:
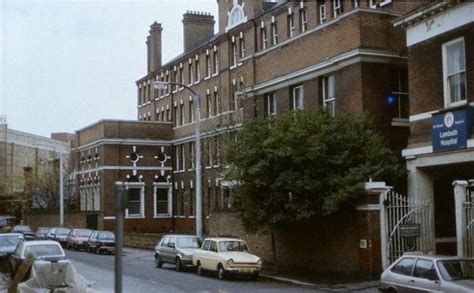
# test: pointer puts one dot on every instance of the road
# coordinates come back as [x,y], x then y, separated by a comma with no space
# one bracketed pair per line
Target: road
[141,275]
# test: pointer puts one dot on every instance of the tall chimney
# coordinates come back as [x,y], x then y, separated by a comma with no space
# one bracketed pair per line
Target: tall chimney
[197,27]
[153,43]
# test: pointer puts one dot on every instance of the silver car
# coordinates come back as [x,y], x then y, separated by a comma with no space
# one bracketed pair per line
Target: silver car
[177,250]
[417,273]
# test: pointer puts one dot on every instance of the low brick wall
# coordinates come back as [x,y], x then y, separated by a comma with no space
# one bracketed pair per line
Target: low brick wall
[71,220]
[141,240]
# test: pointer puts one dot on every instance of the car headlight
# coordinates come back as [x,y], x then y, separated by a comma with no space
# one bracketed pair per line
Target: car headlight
[230,262]
[260,262]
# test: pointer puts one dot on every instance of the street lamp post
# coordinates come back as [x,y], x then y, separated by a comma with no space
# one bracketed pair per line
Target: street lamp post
[197,100]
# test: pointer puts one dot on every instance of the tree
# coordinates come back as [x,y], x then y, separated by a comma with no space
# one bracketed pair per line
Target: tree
[305,164]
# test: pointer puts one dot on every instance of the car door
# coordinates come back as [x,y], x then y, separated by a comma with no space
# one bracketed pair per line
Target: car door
[425,278]
[92,240]
[401,274]
[204,253]
[212,256]
[170,248]
[163,248]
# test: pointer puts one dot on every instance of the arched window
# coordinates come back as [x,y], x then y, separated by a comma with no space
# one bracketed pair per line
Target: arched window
[236,15]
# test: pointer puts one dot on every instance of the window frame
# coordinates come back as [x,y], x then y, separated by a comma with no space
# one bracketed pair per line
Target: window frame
[291,25]
[169,187]
[274,31]
[271,105]
[264,39]
[141,186]
[446,76]
[294,89]
[326,100]
[322,13]
[303,20]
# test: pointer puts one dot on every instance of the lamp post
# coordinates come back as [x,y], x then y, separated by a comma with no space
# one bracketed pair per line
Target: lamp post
[197,100]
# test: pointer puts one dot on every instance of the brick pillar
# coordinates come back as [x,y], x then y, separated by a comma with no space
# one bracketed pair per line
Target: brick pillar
[370,226]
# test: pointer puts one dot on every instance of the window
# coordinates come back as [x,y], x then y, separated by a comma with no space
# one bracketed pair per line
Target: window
[328,94]
[234,55]
[181,114]
[274,33]
[404,266]
[162,199]
[167,80]
[373,3]
[242,47]
[264,40]
[136,204]
[208,66]
[454,72]
[270,105]
[191,154]
[209,152]
[177,158]
[206,245]
[291,25]
[425,269]
[183,157]
[356,3]
[337,8]
[303,20]
[181,75]
[175,79]
[190,73]
[197,70]
[208,105]
[168,116]
[322,13]
[232,101]
[217,152]
[216,62]
[298,98]
[213,247]
[216,103]
[191,111]
[175,114]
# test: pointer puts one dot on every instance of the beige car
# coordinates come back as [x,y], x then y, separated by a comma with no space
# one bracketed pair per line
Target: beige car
[226,256]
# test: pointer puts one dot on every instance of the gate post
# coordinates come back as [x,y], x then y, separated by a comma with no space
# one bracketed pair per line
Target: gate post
[372,231]
[459,197]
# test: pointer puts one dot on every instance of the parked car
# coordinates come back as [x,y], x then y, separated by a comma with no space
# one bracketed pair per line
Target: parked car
[47,250]
[101,241]
[58,234]
[6,223]
[413,273]
[8,243]
[25,230]
[41,233]
[78,238]
[226,256]
[177,250]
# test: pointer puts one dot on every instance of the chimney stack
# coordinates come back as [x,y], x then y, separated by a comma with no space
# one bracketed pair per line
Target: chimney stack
[153,43]
[197,27]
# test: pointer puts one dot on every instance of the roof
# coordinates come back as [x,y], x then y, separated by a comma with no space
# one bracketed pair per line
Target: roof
[223,239]
[422,12]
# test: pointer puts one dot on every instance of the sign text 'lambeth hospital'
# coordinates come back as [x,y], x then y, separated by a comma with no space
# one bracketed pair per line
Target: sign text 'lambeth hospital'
[451,129]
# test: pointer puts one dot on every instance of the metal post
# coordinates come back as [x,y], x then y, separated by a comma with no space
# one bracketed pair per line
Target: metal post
[198,169]
[61,191]
[459,198]
[119,215]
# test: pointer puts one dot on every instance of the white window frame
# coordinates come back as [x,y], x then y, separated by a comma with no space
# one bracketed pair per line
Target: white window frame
[96,192]
[274,28]
[159,185]
[337,8]
[271,103]
[198,71]
[242,47]
[190,74]
[215,60]
[303,19]
[301,88]
[291,25]
[263,32]
[183,157]
[447,92]
[325,89]
[356,3]
[208,66]
[234,53]
[322,13]
[141,186]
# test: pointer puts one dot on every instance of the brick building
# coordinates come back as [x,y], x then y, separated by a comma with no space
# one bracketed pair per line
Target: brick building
[440,41]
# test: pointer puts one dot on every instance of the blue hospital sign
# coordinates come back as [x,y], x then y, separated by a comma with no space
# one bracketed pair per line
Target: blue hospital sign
[450,130]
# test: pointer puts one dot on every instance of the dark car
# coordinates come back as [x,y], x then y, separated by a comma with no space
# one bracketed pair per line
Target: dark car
[101,241]
[25,230]
[59,235]
[41,233]
[40,249]
[8,243]
[78,238]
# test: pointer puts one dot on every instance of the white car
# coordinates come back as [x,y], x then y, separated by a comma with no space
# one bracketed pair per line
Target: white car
[226,256]
[427,273]
[47,250]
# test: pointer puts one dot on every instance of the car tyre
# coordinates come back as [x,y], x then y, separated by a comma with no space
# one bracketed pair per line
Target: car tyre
[392,290]
[88,249]
[220,272]
[199,269]
[158,261]
[179,265]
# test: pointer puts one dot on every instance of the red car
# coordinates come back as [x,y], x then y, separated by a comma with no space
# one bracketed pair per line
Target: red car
[78,238]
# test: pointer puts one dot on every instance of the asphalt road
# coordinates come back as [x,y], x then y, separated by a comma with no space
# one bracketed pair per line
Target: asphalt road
[140,275]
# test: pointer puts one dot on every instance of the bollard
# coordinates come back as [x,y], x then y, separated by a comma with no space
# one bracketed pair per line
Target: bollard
[119,215]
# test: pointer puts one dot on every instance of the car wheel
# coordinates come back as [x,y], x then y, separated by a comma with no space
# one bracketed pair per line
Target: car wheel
[220,272]
[179,265]
[158,261]
[392,290]
[199,269]
[88,249]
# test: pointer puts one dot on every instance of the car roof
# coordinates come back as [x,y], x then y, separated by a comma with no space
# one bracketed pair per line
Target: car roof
[40,242]
[181,235]
[433,257]
[223,239]
[11,234]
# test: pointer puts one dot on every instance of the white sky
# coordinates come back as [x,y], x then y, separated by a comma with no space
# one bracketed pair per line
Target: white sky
[68,63]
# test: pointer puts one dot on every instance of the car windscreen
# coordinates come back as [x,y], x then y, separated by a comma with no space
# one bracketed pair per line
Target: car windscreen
[453,270]
[43,250]
[9,240]
[225,246]
[83,233]
[62,231]
[22,229]
[188,242]
[106,236]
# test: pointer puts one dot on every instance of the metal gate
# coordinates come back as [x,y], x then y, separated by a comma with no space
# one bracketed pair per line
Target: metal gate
[468,214]
[408,225]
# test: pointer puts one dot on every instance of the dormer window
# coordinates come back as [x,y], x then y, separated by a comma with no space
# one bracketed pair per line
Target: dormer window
[236,15]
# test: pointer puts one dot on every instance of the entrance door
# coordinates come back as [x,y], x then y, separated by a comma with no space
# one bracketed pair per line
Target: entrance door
[445,221]
[92,221]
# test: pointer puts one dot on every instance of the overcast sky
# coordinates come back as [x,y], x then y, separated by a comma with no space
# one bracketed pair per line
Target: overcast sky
[68,63]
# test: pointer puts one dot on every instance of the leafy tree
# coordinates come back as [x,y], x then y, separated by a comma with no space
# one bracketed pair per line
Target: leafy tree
[305,164]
